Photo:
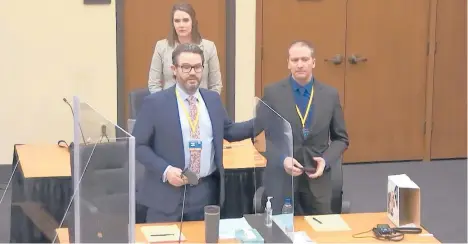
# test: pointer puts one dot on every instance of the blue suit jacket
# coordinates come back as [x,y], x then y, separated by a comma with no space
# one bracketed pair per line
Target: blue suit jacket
[158,142]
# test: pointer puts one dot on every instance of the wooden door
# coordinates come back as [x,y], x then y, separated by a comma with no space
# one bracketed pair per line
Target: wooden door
[449,99]
[147,21]
[321,22]
[385,95]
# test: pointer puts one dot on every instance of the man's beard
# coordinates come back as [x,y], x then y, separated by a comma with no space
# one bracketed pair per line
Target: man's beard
[189,84]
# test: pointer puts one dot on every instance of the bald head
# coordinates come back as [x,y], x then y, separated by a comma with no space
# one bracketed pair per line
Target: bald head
[302,43]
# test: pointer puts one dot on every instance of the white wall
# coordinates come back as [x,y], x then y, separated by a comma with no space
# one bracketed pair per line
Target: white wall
[245,58]
[50,49]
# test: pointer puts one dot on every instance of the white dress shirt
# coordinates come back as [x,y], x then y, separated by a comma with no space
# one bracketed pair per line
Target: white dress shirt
[207,165]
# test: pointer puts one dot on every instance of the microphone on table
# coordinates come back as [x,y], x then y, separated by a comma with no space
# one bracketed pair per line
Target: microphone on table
[79,125]
[192,179]
[104,133]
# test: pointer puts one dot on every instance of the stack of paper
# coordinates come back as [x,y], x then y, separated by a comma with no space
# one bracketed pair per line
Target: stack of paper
[228,227]
[162,233]
[283,220]
[330,222]
[301,237]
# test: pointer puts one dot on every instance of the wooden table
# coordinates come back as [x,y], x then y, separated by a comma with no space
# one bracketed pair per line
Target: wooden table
[358,222]
[241,155]
[44,160]
[49,160]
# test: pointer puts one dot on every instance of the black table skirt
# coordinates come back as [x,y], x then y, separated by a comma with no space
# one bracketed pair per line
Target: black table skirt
[52,195]
[240,189]
[35,196]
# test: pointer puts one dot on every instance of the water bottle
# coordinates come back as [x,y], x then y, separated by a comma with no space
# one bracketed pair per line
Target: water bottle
[288,216]
[268,213]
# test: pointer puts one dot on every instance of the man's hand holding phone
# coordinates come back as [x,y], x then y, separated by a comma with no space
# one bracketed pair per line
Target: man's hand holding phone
[294,168]
[174,177]
[318,171]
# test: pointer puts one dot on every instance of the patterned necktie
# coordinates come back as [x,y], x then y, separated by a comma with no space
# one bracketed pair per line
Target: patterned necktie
[195,155]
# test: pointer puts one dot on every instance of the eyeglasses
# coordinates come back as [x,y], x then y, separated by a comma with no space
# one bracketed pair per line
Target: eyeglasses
[187,68]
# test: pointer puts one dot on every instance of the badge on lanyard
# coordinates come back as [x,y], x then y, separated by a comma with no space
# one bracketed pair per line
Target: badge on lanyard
[195,145]
[305,131]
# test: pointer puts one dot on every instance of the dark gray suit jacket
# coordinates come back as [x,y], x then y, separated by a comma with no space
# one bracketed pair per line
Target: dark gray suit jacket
[327,137]
[158,142]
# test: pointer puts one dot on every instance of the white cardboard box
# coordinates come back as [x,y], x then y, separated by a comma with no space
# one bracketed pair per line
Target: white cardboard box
[403,201]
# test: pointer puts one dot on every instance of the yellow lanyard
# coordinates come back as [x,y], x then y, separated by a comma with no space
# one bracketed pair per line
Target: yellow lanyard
[193,123]
[304,119]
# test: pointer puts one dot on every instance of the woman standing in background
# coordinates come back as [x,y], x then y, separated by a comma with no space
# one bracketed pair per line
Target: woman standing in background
[184,29]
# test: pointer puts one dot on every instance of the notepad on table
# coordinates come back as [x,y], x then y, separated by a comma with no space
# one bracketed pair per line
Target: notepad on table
[329,222]
[162,233]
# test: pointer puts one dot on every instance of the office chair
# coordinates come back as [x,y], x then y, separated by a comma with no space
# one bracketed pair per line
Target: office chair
[139,174]
[338,205]
[136,100]
[130,125]
[104,192]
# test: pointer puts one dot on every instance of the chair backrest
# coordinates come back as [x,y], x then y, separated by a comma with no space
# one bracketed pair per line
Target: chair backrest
[136,100]
[336,169]
[130,125]
[106,170]
[104,190]
[139,168]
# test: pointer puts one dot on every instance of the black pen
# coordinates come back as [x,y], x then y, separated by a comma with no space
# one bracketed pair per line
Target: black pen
[318,221]
[162,235]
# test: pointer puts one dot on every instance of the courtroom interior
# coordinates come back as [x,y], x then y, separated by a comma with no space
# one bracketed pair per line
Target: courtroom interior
[315,121]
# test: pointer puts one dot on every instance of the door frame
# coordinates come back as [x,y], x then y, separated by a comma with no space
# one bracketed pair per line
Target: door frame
[431,48]
[230,79]
[258,48]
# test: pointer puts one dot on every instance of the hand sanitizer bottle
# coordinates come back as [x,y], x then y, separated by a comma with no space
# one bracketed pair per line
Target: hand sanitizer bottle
[268,213]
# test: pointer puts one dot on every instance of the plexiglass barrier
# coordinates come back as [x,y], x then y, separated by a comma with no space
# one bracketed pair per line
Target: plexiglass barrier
[102,207]
[6,203]
[273,140]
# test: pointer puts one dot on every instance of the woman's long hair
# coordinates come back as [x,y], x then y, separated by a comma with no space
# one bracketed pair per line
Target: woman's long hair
[187,8]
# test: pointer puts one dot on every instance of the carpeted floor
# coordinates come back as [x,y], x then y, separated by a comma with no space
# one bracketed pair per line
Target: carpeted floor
[443,194]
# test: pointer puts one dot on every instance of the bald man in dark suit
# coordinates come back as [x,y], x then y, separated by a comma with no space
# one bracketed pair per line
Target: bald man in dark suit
[319,133]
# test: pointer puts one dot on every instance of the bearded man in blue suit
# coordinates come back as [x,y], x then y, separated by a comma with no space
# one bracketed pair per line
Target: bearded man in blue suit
[180,128]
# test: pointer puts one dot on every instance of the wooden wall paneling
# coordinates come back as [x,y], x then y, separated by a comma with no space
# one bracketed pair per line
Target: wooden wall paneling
[449,108]
[303,20]
[147,21]
[426,89]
